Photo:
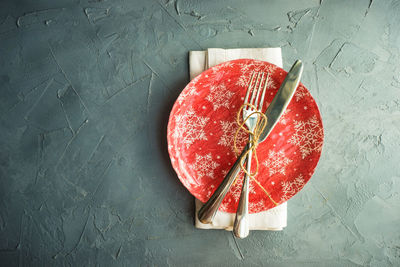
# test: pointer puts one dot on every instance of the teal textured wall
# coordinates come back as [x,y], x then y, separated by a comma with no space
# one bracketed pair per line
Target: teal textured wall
[85,181]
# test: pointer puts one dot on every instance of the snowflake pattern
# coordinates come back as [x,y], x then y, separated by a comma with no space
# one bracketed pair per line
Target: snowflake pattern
[284,118]
[257,206]
[244,79]
[190,180]
[204,165]
[190,128]
[224,173]
[277,162]
[271,84]
[224,206]
[289,189]
[218,68]
[270,69]
[257,67]
[229,130]
[191,90]
[236,188]
[219,96]
[308,136]
[245,67]
[300,93]
[209,190]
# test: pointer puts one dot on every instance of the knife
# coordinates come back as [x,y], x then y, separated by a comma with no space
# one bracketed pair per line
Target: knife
[274,111]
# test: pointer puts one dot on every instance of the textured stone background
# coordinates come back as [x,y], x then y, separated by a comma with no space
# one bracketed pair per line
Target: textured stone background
[85,181]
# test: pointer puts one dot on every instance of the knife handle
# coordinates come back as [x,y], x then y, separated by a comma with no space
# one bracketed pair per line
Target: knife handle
[207,213]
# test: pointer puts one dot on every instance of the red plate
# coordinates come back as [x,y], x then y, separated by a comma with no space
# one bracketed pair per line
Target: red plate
[202,125]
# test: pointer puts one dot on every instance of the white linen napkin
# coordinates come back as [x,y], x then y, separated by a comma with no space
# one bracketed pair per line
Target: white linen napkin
[274,219]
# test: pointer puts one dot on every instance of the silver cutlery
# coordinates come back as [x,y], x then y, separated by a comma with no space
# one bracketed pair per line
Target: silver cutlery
[250,118]
[273,113]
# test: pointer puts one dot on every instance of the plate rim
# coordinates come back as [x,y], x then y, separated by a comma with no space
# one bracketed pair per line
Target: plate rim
[176,104]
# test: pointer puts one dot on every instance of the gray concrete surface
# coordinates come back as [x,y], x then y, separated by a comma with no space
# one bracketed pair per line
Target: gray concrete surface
[84,181]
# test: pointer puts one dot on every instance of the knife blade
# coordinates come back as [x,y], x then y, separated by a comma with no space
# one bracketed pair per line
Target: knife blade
[282,98]
[273,113]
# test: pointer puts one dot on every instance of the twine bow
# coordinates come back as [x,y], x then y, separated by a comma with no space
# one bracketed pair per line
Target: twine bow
[253,141]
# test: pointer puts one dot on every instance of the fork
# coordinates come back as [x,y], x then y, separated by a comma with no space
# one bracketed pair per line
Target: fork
[250,118]
[208,211]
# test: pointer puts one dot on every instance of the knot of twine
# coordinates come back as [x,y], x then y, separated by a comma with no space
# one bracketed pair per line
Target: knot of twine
[253,141]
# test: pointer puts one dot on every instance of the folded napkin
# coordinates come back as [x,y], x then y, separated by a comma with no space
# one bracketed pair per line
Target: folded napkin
[273,219]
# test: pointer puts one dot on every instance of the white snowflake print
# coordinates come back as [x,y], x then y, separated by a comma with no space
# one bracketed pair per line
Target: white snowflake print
[218,68]
[244,79]
[270,69]
[290,188]
[190,91]
[236,189]
[209,190]
[204,165]
[219,96]
[224,206]
[277,162]
[189,181]
[255,66]
[190,128]
[245,67]
[284,119]
[229,130]
[308,136]
[258,206]
[271,84]
[300,93]
[227,64]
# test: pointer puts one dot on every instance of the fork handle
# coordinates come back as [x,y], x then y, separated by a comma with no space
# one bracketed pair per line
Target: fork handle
[207,213]
[241,224]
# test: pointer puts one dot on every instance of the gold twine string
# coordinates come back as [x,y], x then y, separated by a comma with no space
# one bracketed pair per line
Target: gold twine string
[253,143]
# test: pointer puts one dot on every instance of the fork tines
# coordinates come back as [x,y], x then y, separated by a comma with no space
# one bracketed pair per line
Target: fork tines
[259,81]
